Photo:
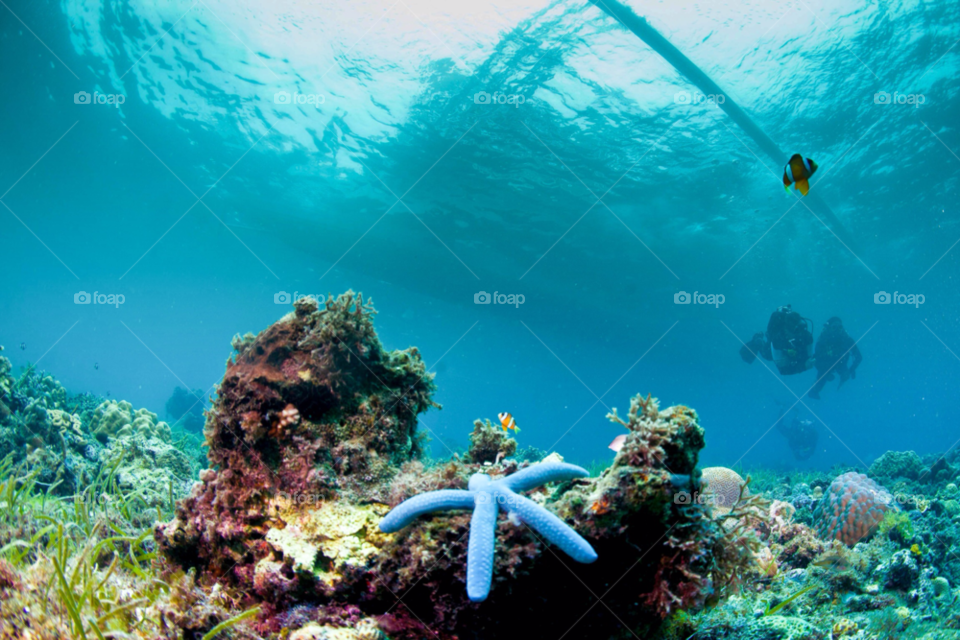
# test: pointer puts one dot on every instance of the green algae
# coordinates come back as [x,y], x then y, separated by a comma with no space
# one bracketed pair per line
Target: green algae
[897,526]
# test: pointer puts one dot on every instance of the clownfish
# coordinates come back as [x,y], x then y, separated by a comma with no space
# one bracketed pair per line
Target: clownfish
[507,422]
[797,172]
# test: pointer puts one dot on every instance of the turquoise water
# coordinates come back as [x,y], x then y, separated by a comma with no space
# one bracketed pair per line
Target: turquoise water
[207,193]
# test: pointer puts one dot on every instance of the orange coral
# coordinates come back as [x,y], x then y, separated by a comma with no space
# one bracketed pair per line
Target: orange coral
[601,506]
[289,416]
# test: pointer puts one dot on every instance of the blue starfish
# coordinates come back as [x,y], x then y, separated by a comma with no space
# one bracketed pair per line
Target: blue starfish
[485,496]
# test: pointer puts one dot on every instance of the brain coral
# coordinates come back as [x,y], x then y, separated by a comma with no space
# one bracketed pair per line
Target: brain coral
[851,509]
[722,489]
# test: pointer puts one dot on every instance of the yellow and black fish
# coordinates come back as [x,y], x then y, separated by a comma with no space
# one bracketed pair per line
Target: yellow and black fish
[507,422]
[797,172]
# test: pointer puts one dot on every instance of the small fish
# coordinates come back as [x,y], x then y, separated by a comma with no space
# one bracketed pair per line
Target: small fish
[797,172]
[617,443]
[108,394]
[96,365]
[833,561]
[23,346]
[507,422]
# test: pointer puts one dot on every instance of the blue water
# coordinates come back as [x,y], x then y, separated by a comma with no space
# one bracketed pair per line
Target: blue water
[399,184]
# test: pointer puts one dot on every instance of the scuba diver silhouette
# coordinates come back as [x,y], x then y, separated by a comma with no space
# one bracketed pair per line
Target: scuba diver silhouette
[800,434]
[836,354]
[787,342]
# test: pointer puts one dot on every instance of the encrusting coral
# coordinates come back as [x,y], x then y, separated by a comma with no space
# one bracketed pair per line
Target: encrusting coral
[485,497]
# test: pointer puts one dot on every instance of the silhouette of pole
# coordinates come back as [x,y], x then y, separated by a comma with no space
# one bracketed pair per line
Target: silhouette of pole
[686,67]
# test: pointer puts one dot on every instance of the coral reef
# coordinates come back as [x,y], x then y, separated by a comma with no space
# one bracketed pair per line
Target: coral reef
[287,515]
[852,508]
[311,409]
[148,464]
[306,525]
[634,509]
[68,441]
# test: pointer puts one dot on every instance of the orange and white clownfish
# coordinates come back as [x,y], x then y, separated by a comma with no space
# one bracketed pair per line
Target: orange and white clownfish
[797,172]
[507,422]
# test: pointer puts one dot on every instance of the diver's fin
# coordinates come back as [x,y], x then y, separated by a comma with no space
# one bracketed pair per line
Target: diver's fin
[803,186]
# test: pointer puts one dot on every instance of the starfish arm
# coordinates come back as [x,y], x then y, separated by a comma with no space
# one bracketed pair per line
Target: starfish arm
[483,535]
[408,510]
[550,526]
[542,473]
